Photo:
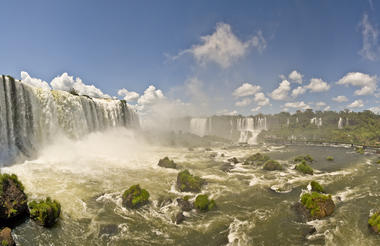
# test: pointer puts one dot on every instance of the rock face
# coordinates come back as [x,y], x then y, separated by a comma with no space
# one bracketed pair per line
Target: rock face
[184,204]
[272,165]
[6,238]
[234,160]
[374,222]
[203,204]
[45,212]
[167,163]
[189,183]
[135,197]
[12,199]
[179,218]
[317,205]
[226,167]
[256,159]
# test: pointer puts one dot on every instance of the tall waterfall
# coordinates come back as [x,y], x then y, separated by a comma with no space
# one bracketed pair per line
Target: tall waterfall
[316,121]
[340,123]
[198,126]
[31,117]
[250,128]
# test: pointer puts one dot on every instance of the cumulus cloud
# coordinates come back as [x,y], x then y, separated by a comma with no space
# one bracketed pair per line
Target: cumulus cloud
[320,104]
[128,96]
[297,105]
[261,99]
[340,99]
[26,79]
[65,82]
[327,108]
[298,91]
[281,93]
[356,104]
[371,43]
[244,102]
[367,83]
[151,95]
[223,47]
[227,112]
[296,77]
[246,89]
[376,110]
[256,109]
[317,85]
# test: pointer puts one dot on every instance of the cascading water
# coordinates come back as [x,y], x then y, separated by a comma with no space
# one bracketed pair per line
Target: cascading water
[30,117]
[340,123]
[198,126]
[316,121]
[250,128]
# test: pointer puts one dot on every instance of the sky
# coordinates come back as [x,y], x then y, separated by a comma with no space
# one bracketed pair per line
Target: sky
[199,57]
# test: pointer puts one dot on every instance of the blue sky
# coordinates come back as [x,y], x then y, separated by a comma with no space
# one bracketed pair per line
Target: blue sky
[198,53]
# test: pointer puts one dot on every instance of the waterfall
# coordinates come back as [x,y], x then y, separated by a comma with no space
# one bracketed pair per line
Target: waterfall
[31,117]
[340,123]
[250,128]
[198,126]
[316,121]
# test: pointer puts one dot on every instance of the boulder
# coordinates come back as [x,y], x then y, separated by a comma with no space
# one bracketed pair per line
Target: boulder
[272,165]
[303,167]
[226,167]
[189,183]
[13,200]
[315,186]
[256,159]
[317,205]
[167,163]
[45,212]
[6,238]
[108,229]
[234,160]
[135,197]
[179,218]
[203,204]
[184,204]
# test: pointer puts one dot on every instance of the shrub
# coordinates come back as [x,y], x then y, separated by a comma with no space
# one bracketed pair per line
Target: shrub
[166,162]
[272,165]
[135,197]
[301,158]
[315,186]
[203,203]
[303,167]
[374,221]
[257,159]
[188,182]
[319,205]
[6,178]
[329,158]
[45,212]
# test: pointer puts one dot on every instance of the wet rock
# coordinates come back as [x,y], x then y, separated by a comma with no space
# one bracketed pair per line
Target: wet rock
[109,229]
[374,222]
[301,212]
[189,183]
[184,204]
[256,159]
[222,155]
[164,201]
[167,163]
[135,197]
[179,218]
[234,160]
[45,212]
[272,165]
[14,207]
[317,205]
[303,167]
[203,204]
[226,167]
[213,154]
[6,238]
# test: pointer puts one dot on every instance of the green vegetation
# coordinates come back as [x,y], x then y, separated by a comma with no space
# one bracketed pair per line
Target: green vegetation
[4,243]
[189,183]
[329,158]
[301,158]
[374,222]
[360,150]
[135,197]
[272,165]
[167,163]
[319,205]
[6,178]
[73,92]
[377,162]
[45,212]
[203,203]
[315,186]
[303,167]
[256,159]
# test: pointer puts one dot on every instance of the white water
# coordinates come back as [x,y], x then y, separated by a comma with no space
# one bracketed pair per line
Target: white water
[250,128]
[316,121]
[340,123]
[198,126]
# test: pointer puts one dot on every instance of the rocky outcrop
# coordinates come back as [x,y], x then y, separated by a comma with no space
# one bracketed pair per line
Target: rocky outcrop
[184,204]
[45,212]
[189,183]
[374,222]
[304,168]
[256,159]
[167,163]
[272,165]
[233,160]
[6,238]
[203,204]
[317,205]
[179,218]
[135,197]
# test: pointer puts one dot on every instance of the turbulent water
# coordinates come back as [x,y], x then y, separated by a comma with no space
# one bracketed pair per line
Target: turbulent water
[89,175]
[31,117]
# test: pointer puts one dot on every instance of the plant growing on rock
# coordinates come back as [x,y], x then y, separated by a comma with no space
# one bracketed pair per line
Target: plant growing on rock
[186,182]
[135,197]
[374,222]
[167,163]
[45,212]
[315,186]
[303,167]
[306,158]
[318,205]
[203,203]
[272,165]
[256,159]
[329,158]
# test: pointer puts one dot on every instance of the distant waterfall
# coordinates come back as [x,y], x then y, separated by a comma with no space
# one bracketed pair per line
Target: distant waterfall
[340,123]
[198,126]
[250,128]
[30,117]
[316,121]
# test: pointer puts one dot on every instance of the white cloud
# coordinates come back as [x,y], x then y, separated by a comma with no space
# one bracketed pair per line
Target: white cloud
[340,99]
[227,112]
[256,109]
[246,89]
[327,108]
[25,78]
[66,82]
[223,47]
[298,91]
[281,93]
[298,105]
[244,102]
[151,95]
[317,85]
[320,104]
[296,77]
[129,96]
[371,44]
[261,99]
[367,83]
[356,104]
[376,110]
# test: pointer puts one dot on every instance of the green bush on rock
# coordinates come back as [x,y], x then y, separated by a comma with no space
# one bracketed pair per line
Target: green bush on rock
[203,203]
[374,222]
[135,197]
[329,158]
[306,158]
[272,165]
[315,186]
[167,163]
[318,205]
[256,159]
[189,183]
[303,167]
[45,212]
